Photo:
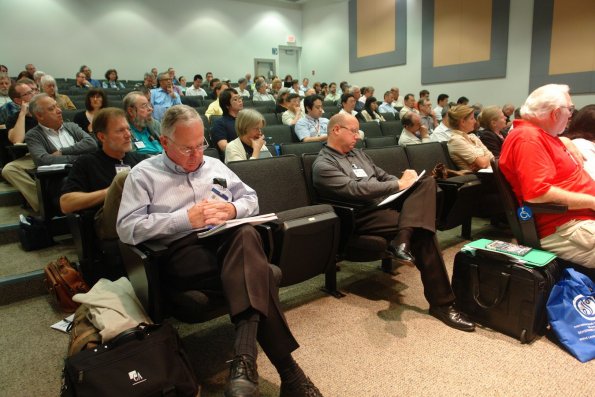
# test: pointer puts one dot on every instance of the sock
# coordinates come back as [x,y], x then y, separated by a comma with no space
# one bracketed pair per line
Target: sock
[290,372]
[246,324]
[403,236]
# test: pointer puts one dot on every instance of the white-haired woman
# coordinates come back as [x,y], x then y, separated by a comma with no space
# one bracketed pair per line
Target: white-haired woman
[250,143]
[48,86]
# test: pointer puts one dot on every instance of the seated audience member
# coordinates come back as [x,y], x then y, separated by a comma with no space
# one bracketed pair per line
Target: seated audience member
[212,85]
[442,133]
[182,85]
[293,112]
[423,94]
[323,90]
[4,86]
[37,77]
[149,211]
[261,93]
[582,132]
[398,101]
[332,95]
[344,87]
[48,86]
[414,132]
[3,69]
[463,100]
[87,71]
[224,130]
[304,87]
[282,101]
[242,88]
[426,114]
[348,104]
[164,97]
[541,168]
[386,106]
[22,90]
[369,113]
[341,172]
[81,82]
[208,79]
[508,111]
[250,143]
[441,103]
[295,88]
[276,86]
[148,82]
[30,69]
[52,141]
[317,88]
[312,127]
[367,92]
[214,107]
[196,88]
[287,81]
[144,128]
[111,80]
[96,179]
[95,100]
[357,94]
[465,149]
[172,75]
[17,172]
[493,121]
[248,78]
[155,73]
[409,106]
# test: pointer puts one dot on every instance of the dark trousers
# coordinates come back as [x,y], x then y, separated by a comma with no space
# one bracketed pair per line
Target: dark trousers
[416,211]
[233,262]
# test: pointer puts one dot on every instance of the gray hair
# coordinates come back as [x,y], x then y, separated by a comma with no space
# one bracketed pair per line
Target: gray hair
[259,84]
[543,100]
[38,74]
[148,74]
[177,114]
[130,100]
[47,79]
[34,107]
[4,75]
[353,88]
[247,118]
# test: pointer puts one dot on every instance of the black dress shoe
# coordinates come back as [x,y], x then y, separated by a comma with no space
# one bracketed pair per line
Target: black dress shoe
[305,389]
[452,317]
[402,254]
[243,378]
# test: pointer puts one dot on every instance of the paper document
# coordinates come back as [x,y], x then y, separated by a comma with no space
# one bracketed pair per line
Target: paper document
[488,170]
[393,197]
[63,324]
[51,167]
[253,220]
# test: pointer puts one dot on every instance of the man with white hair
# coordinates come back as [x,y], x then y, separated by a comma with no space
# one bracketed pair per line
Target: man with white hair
[4,85]
[144,128]
[541,168]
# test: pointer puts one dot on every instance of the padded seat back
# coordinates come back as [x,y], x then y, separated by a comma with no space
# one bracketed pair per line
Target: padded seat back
[391,159]
[299,148]
[371,129]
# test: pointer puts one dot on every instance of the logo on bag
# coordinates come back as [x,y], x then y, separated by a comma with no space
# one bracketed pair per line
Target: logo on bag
[136,377]
[585,305]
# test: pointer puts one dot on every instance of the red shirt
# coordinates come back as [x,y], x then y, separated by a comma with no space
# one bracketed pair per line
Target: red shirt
[533,161]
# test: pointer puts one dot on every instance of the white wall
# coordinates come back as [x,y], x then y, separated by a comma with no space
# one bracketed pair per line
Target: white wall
[223,36]
[325,49]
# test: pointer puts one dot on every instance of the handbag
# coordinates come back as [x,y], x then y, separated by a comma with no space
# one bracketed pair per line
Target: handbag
[571,312]
[440,171]
[83,334]
[63,281]
[147,360]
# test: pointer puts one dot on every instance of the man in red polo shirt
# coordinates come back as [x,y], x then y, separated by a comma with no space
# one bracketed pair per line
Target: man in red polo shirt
[540,168]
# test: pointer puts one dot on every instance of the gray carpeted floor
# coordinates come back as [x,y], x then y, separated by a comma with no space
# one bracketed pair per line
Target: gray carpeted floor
[377,341]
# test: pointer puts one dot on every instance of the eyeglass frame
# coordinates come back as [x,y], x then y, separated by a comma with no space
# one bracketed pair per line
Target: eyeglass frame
[356,132]
[187,151]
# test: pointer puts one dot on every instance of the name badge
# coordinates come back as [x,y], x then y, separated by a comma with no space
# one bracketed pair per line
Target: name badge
[139,144]
[360,173]
[122,168]
[219,193]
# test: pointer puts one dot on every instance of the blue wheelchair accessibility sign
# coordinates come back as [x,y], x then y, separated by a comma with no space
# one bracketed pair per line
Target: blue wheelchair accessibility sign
[524,213]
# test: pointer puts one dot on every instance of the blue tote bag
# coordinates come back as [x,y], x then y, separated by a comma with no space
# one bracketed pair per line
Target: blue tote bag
[571,312]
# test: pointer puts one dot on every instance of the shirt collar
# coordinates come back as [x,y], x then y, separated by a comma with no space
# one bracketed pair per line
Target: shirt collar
[176,169]
[48,130]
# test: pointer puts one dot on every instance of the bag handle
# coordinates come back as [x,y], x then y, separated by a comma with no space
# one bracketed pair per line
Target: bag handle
[139,332]
[504,279]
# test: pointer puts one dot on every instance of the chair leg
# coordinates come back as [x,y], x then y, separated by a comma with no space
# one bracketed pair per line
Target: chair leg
[466,229]
[330,282]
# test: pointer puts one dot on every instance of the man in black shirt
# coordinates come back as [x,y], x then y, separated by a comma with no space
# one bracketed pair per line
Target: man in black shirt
[96,179]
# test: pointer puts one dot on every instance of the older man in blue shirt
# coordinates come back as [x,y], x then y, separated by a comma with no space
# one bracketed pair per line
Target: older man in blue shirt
[164,97]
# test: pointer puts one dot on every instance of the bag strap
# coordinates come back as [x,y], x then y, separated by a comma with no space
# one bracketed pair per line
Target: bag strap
[139,332]
[503,286]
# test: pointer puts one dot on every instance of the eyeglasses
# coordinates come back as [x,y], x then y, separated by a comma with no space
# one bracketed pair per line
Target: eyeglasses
[354,132]
[570,108]
[188,150]
[146,106]
[27,93]
[237,99]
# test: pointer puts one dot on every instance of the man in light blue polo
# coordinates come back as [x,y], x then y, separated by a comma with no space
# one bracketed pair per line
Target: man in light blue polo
[312,127]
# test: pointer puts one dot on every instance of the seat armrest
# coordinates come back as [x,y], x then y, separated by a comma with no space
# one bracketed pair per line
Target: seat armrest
[266,234]
[546,208]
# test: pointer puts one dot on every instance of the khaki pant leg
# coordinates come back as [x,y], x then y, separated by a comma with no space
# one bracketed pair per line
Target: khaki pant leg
[106,217]
[573,241]
[16,174]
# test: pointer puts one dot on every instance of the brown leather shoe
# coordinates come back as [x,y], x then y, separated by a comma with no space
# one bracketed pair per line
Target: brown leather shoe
[401,254]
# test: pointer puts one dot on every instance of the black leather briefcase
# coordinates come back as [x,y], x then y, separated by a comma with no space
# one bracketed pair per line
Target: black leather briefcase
[500,294]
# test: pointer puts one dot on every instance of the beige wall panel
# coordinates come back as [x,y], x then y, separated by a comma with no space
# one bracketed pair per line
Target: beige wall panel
[573,37]
[376,26]
[462,31]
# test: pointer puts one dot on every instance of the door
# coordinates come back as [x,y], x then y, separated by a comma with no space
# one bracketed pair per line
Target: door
[289,61]
[265,67]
